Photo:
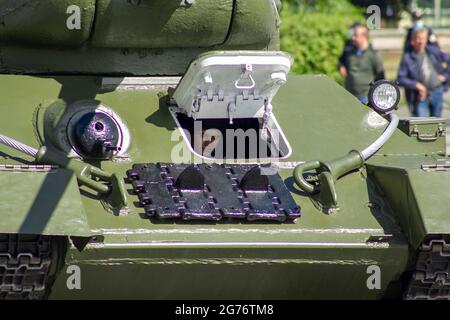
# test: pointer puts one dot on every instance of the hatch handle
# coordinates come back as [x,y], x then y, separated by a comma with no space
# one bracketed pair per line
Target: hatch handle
[247,69]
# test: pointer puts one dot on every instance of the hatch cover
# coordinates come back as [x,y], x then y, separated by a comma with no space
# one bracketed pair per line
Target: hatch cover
[212,192]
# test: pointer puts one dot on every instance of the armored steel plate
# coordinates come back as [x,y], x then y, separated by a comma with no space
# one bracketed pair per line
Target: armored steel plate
[40,200]
[212,192]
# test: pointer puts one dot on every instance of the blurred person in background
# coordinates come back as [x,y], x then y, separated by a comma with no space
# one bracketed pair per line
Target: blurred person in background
[418,23]
[424,72]
[349,47]
[360,64]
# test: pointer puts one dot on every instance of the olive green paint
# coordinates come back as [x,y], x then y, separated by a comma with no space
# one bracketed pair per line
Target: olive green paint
[420,199]
[161,24]
[383,209]
[145,37]
[261,17]
[131,245]
[41,202]
[44,23]
[247,272]
[367,229]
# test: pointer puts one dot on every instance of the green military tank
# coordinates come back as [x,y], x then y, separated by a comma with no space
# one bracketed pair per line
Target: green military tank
[162,150]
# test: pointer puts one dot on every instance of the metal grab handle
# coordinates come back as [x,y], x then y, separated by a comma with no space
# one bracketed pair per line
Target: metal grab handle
[300,180]
[428,137]
[245,87]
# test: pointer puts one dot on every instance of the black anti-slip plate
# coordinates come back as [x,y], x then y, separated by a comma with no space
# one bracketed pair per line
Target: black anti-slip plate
[211,192]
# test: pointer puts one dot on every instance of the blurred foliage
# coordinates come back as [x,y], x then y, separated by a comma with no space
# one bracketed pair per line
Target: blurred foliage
[314,33]
[324,6]
[390,9]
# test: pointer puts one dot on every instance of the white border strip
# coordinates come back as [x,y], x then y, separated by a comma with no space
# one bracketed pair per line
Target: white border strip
[232,61]
[237,244]
[138,83]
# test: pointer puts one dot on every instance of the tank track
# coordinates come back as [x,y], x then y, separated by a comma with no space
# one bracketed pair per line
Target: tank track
[431,278]
[27,265]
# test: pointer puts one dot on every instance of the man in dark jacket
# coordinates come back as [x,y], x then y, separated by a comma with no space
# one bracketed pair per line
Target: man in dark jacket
[418,24]
[361,64]
[349,47]
[424,72]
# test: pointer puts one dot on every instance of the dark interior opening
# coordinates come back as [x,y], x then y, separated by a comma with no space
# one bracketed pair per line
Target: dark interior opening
[246,133]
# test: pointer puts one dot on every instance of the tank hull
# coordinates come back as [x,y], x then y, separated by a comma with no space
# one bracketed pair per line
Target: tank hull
[318,255]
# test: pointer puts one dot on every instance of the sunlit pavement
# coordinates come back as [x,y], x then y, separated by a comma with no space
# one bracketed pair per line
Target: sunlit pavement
[404,112]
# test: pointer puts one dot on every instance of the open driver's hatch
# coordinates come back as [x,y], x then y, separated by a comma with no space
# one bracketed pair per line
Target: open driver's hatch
[233,90]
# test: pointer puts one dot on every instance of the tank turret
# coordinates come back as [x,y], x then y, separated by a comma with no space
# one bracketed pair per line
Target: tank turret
[132,37]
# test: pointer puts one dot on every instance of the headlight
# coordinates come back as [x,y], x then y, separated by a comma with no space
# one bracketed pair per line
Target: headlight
[384,96]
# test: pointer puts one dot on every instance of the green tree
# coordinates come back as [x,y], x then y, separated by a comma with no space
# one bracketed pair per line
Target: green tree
[314,33]
[324,6]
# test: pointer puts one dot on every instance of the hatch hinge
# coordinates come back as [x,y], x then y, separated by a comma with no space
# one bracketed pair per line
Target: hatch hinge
[266,116]
[236,107]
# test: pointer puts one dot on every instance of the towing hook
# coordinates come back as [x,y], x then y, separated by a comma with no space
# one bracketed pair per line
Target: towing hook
[327,173]
[337,168]
[300,180]
[114,189]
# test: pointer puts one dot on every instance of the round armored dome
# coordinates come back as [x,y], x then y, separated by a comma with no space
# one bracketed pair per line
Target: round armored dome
[96,135]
